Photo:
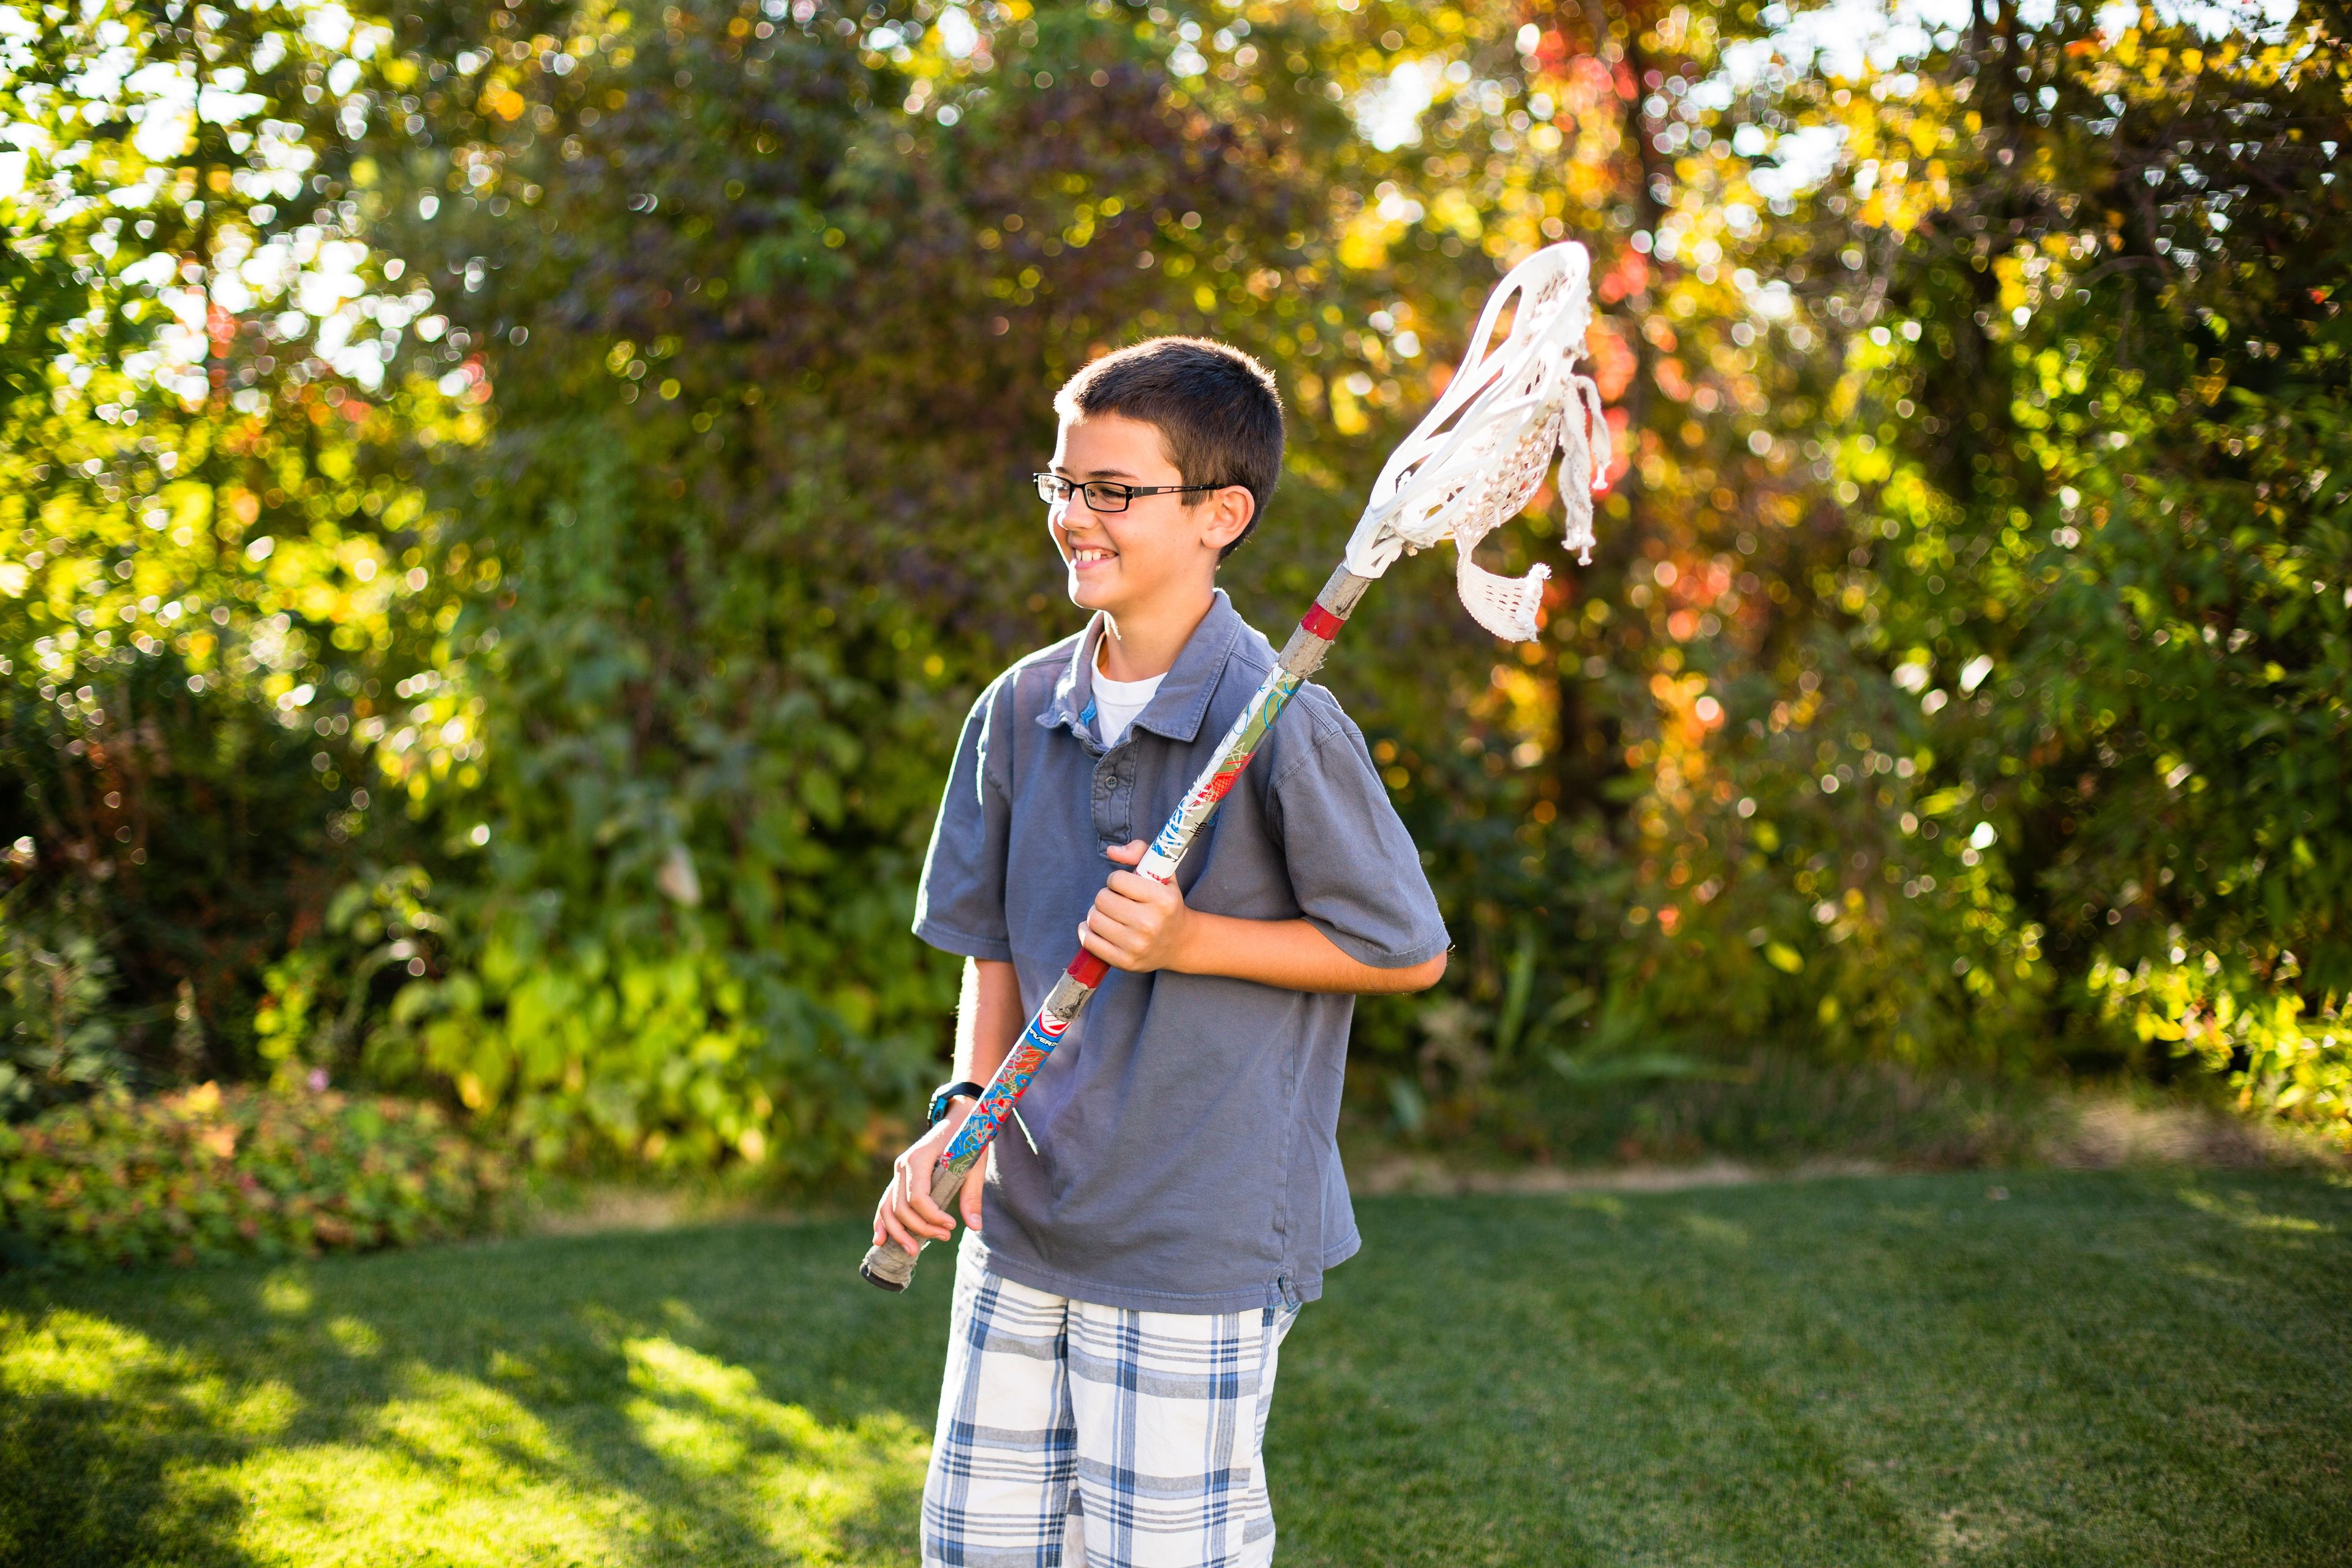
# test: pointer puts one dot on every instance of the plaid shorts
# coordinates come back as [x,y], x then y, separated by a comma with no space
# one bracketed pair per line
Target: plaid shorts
[1073,1436]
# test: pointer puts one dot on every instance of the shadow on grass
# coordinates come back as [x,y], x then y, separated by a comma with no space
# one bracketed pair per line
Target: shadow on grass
[89,1418]
[2056,1370]
[724,1396]
[2102,1369]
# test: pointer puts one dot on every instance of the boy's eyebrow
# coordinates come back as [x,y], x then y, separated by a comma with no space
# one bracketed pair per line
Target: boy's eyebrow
[1105,474]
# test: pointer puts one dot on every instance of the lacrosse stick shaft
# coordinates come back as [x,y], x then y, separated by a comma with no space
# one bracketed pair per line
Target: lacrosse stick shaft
[892,1266]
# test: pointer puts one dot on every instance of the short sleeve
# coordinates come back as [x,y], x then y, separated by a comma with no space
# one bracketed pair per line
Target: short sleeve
[959,907]
[1353,867]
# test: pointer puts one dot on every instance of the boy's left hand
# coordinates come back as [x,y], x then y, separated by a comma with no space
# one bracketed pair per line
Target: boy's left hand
[1136,925]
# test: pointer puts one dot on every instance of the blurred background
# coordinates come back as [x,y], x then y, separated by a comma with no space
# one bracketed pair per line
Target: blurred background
[504,506]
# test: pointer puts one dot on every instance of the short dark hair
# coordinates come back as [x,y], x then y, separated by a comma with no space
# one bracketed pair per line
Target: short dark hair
[1216,409]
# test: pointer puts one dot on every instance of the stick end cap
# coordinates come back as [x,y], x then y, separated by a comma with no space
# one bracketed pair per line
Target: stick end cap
[866,1271]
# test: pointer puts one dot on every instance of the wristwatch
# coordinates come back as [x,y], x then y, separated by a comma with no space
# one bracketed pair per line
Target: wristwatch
[950,1092]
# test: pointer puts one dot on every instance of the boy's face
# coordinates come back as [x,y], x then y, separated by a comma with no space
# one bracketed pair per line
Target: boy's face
[1159,551]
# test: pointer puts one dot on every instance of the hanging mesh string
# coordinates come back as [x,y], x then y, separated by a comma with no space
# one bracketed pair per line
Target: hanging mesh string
[1480,455]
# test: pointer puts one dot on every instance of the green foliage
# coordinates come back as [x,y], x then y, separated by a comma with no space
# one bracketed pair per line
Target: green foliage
[1604,1083]
[212,570]
[102,800]
[2125,527]
[58,1038]
[1990,627]
[751,537]
[209,1173]
[1780,1108]
[2251,1027]
[323,995]
[602,437]
[2117,531]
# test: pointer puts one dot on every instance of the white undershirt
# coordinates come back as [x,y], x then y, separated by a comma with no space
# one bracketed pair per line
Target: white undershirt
[1116,703]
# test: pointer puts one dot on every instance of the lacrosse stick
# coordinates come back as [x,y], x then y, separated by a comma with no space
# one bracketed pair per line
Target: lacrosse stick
[1470,465]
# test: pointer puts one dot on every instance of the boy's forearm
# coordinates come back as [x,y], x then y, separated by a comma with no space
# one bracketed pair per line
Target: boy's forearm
[987,1019]
[1292,954]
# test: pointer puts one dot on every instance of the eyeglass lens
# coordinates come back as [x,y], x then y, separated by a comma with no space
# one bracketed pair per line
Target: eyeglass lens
[1100,495]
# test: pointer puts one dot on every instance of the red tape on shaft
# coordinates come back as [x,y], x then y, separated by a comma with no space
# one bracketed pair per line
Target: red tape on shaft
[1087,969]
[1320,622]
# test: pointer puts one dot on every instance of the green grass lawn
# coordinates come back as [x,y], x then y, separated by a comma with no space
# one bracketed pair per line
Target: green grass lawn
[2128,1369]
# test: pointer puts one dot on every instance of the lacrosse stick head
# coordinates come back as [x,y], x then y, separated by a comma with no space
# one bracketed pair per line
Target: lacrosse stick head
[1480,455]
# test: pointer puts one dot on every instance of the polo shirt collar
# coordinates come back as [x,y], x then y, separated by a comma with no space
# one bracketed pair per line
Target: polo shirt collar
[1182,700]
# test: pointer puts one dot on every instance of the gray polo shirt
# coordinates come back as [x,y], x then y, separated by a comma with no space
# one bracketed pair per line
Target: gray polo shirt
[1185,1155]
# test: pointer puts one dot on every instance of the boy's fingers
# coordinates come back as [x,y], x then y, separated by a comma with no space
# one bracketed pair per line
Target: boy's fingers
[914,1234]
[1128,909]
[1128,853]
[1112,914]
[975,1183]
[1110,953]
[1136,886]
[897,1233]
[1123,935]
[1114,905]
[911,1204]
[927,1215]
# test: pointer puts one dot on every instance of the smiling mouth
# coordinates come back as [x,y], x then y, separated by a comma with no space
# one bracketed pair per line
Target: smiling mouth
[1083,555]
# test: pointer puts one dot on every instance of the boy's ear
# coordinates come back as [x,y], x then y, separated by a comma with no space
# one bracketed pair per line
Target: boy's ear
[1227,514]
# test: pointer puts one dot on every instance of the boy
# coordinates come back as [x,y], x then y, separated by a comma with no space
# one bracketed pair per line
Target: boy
[1141,1239]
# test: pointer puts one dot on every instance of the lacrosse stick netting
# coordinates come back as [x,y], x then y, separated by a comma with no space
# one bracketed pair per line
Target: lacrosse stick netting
[1470,465]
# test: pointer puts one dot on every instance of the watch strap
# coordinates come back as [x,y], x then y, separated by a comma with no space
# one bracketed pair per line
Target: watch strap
[947,1092]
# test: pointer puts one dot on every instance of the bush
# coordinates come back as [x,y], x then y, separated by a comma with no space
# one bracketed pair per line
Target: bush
[58,1038]
[210,1174]
[1958,682]
[736,623]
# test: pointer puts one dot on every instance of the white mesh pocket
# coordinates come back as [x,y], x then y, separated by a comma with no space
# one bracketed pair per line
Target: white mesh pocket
[1504,605]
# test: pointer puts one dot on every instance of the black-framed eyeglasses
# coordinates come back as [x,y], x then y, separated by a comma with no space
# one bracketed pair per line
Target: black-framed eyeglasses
[1105,495]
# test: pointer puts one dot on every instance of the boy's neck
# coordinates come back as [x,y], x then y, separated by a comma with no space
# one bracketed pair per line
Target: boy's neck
[1145,640]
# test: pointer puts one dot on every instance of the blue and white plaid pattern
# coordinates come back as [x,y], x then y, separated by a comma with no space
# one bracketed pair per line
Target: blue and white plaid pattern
[1075,1435]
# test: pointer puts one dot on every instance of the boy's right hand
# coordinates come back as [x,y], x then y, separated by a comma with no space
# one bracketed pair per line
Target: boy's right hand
[906,1214]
